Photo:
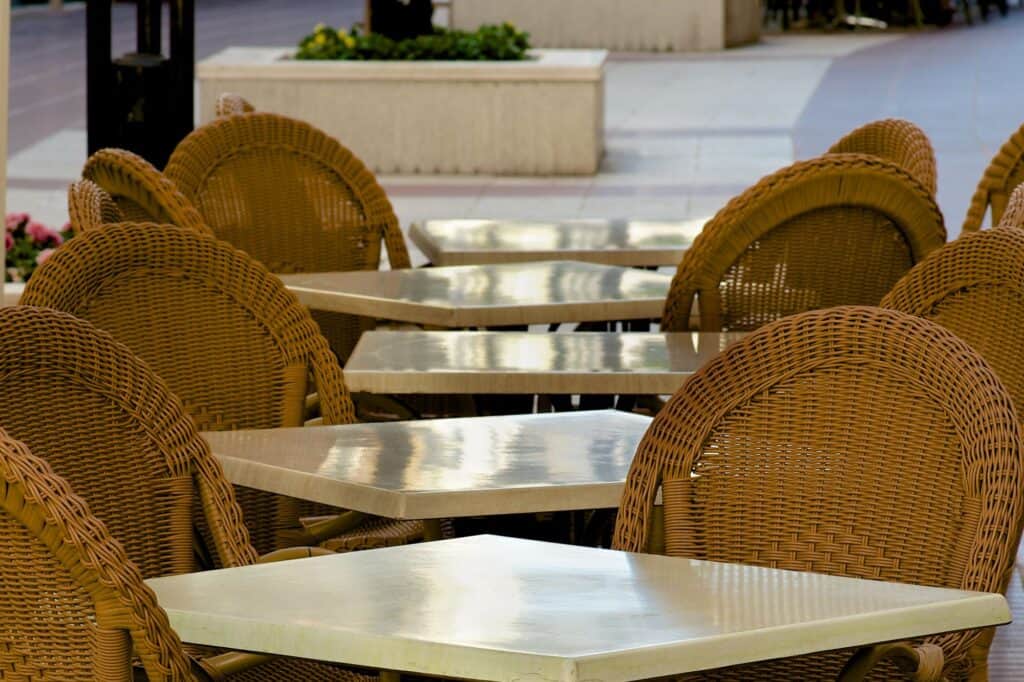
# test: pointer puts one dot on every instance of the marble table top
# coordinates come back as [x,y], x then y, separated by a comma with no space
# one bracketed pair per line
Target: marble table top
[612,242]
[443,468]
[489,295]
[526,363]
[492,608]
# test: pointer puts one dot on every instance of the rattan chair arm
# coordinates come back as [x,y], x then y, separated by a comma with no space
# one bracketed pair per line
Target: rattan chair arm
[223,666]
[333,526]
[311,408]
[291,553]
[927,661]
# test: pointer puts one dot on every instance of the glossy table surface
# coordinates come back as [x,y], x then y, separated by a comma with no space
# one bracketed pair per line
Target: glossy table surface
[526,363]
[489,295]
[443,468]
[492,608]
[612,242]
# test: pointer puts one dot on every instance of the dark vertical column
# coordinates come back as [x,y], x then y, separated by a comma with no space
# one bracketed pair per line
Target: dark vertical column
[183,67]
[99,104]
[148,17]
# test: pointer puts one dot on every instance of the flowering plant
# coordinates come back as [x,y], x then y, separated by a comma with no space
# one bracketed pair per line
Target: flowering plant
[487,43]
[28,244]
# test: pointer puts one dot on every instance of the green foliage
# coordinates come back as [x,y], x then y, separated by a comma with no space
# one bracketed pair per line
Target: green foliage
[488,43]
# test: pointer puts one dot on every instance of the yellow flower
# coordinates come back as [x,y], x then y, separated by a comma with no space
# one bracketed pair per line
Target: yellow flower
[320,39]
[320,27]
[349,41]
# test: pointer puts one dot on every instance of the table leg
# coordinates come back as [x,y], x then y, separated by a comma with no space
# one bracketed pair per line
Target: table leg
[390,676]
[431,532]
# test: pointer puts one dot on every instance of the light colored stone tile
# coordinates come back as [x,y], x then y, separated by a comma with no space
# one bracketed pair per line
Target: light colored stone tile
[59,156]
[47,206]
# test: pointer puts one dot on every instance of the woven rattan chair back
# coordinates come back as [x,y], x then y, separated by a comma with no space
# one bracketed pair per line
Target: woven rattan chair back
[974,286]
[1004,173]
[73,606]
[90,206]
[1013,216]
[141,192]
[851,441]
[225,334]
[294,198]
[836,230]
[229,104]
[896,140]
[113,429]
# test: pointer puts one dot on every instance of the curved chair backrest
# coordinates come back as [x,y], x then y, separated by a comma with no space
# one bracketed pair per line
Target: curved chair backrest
[896,140]
[294,198]
[851,441]
[836,230]
[90,206]
[1004,173]
[1013,216]
[221,330]
[141,192]
[974,286]
[229,104]
[73,605]
[111,427]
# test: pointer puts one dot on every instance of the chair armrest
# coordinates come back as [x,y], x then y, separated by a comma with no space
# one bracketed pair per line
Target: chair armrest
[290,553]
[223,666]
[925,661]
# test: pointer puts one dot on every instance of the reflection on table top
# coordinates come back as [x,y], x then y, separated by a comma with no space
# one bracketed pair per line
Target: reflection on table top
[443,467]
[493,608]
[612,242]
[526,363]
[489,295]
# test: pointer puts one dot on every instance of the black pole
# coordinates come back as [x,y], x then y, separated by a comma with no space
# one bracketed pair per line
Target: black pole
[99,77]
[183,66]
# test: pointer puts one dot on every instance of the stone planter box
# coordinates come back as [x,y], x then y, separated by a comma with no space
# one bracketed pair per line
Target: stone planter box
[629,25]
[544,116]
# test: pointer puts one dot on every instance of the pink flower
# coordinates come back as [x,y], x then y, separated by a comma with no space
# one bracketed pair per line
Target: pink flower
[41,234]
[15,219]
[8,241]
[43,256]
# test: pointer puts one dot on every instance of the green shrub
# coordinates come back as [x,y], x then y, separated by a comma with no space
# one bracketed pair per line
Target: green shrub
[488,43]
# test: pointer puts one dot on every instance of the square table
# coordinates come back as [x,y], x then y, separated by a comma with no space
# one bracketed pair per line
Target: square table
[634,243]
[491,608]
[488,295]
[584,363]
[443,468]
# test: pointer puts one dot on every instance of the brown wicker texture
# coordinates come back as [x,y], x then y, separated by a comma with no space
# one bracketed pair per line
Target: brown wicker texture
[836,230]
[896,140]
[224,333]
[140,191]
[851,441]
[109,426]
[294,198]
[90,206]
[1004,173]
[229,104]
[1013,216]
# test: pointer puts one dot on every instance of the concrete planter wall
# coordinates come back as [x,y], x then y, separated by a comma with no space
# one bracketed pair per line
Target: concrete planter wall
[539,117]
[638,25]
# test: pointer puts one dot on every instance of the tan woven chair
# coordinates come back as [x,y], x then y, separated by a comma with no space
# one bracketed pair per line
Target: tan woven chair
[140,191]
[227,337]
[1013,216]
[836,230]
[896,140]
[107,424]
[1004,173]
[229,104]
[851,441]
[294,198]
[89,206]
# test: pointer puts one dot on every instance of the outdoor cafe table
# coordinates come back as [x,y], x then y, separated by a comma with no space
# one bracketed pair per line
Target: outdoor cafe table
[489,295]
[636,243]
[443,468]
[585,363]
[492,608]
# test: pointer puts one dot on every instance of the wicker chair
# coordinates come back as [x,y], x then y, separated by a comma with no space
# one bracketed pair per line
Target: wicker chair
[851,441]
[229,104]
[90,206]
[228,338]
[294,198]
[1013,216]
[836,230]
[1004,173]
[108,425]
[896,140]
[140,191]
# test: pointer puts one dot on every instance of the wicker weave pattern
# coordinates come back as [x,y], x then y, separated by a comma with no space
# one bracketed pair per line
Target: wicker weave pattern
[221,330]
[140,191]
[836,230]
[896,140]
[89,206]
[65,579]
[1004,173]
[852,441]
[292,197]
[229,104]
[1013,216]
